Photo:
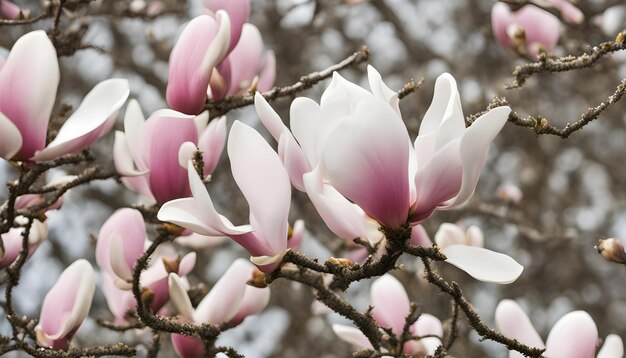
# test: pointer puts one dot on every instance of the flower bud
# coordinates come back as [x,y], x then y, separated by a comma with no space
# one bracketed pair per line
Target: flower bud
[612,250]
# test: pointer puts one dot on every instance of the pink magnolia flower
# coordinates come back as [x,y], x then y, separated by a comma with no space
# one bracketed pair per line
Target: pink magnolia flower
[540,28]
[230,301]
[66,305]
[13,239]
[260,175]
[569,11]
[8,10]
[120,243]
[391,305]
[246,65]
[28,83]
[152,155]
[574,335]
[202,45]
[464,249]
[354,147]
[238,11]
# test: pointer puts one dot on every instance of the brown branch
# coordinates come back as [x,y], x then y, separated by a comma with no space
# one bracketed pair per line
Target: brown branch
[410,87]
[221,107]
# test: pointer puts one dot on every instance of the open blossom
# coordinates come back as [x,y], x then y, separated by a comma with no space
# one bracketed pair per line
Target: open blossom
[28,84]
[354,147]
[66,305]
[526,30]
[260,175]
[151,155]
[391,306]
[574,335]
[230,301]
[464,249]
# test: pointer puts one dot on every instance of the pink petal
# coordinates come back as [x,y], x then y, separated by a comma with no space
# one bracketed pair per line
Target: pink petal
[263,181]
[482,264]
[66,304]
[352,335]
[391,303]
[28,85]
[366,160]
[238,11]
[10,138]
[445,107]
[338,213]
[93,119]
[211,143]
[187,347]
[164,133]
[501,18]
[196,242]
[474,147]
[427,325]
[514,323]
[419,236]
[613,347]
[294,160]
[122,157]
[574,335]
[119,301]
[129,226]
[9,10]
[267,75]
[254,301]
[225,298]
[270,119]
[201,46]
[245,60]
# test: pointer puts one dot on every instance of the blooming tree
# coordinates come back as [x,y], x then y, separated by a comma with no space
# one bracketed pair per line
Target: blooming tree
[342,197]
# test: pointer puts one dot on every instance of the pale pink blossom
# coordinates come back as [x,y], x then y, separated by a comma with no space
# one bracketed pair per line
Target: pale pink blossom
[66,305]
[451,234]
[570,12]
[526,30]
[13,239]
[152,155]
[237,10]
[230,301]
[9,10]
[509,193]
[574,335]
[28,85]
[354,147]
[260,175]
[390,307]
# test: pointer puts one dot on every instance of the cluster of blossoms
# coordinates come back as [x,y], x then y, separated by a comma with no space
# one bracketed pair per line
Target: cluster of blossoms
[350,153]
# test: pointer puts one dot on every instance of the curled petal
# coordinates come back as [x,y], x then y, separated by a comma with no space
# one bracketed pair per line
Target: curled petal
[202,45]
[263,181]
[196,242]
[12,241]
[238,11]
[484,265]
[380,89]
[120,302]
[573,336]
[122,157]
[613,347]
[185,153]
[187,347]
[93,119]
[28,86]
[134,123]
[366,160]
[390,303]
[267,75]
[10,138]
[179,296]
[66,305]
[352,335]
[513,322]
[297,234]
[304,122]
[294,160]
[130,229]
[211,143]
[254,301]
[270,119]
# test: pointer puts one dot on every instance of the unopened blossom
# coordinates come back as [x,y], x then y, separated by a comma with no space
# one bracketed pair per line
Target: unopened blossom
[260,175]
[574,335]
[353,147]
[230,301]
[9,10]
[464,249]
[390,307]
[509,193]
[238,12]
[12,240]
[247,66]
[527,30]
[28,85]
[66,305]
[152,155]
[612,250]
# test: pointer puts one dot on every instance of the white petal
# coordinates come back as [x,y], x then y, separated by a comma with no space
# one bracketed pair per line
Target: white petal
[185,153]
[449,234]
[267,260]
[573,336]
[179,296]
[352,335]
[304,121]
[10,138]
[613,347]
[116,255]
[134,122]
[484,265]
[513,322]
[270,119]
[380,89]
[122,158]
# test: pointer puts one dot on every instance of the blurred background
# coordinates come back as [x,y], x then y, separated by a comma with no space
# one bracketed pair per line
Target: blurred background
[574,190]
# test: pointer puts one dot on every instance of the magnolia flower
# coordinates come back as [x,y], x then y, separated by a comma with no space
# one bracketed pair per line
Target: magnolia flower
[120,243]
[260,175]
[391,306]
[354,147]
[202,45]
[526,30]
[509,193]
[66,305]
[152,155]
[246,67]
[238,12]
[28,84]
[573,336]
[13,239]
[9,10]
[464,249]
[569,11]
[230,301]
